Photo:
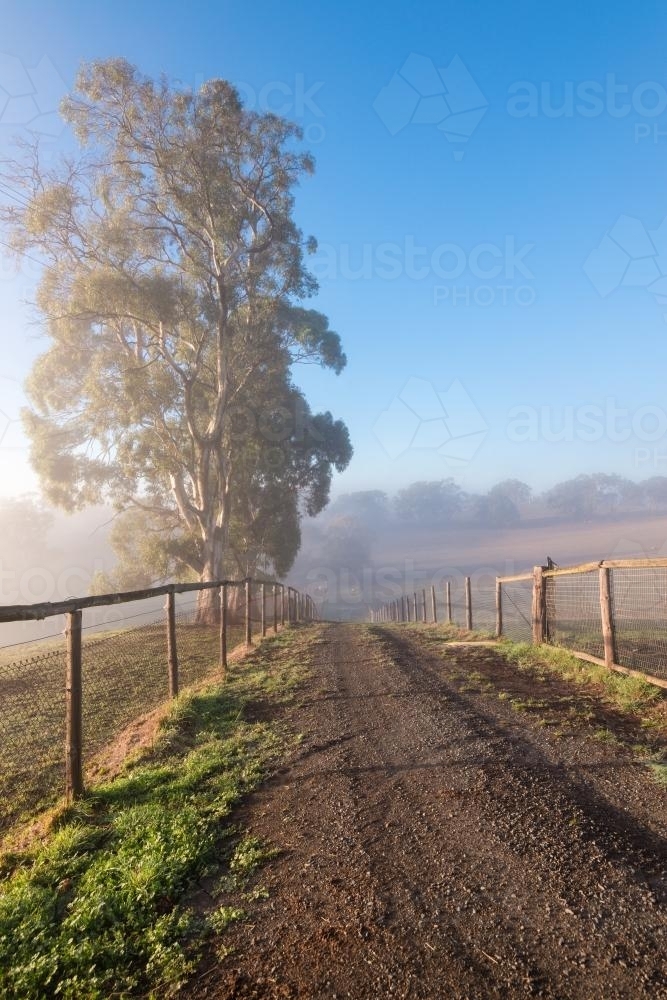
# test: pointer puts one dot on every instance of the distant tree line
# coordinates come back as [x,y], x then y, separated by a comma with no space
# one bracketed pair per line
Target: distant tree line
[349,537]
[438,503]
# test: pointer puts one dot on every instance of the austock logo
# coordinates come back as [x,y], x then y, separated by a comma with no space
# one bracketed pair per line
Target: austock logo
[630,256]
[420,417]
[30,96]
[421,94]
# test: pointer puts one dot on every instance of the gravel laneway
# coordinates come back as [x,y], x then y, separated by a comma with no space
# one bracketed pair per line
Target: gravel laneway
[437,843]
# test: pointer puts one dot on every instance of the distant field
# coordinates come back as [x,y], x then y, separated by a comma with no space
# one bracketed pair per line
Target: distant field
[512,550]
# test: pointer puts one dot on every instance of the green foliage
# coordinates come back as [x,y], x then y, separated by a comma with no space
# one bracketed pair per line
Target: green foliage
[428,502]
[172,272]
[588,495]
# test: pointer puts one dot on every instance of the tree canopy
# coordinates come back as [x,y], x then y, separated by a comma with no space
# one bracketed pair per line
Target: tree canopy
[171,281]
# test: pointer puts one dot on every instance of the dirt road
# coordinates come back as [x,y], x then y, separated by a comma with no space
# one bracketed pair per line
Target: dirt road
[443,836]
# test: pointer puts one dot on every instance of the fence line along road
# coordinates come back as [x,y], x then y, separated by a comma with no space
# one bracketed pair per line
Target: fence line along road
[81,693]
[612,612]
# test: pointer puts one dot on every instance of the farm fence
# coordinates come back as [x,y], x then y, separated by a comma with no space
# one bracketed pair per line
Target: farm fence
[65,701]
[612,612]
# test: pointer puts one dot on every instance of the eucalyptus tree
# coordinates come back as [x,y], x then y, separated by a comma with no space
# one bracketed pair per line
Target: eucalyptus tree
[172,270]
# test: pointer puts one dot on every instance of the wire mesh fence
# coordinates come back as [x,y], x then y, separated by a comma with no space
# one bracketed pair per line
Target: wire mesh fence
[483,601]
[444,603]
[125,671]
[614,611]
[482,612]
[639,601]
[517,597]
[32,730]
[573,612]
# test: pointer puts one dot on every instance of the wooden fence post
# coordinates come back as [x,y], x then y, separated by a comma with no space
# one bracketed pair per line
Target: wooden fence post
[424,604]
[539,609]
[248,612]
[282,603]
[414,606]
[263,610]
[73,709]
[468,592]
[223,630]
[172,654]
[607,614]
[275,607]
[448,601]
[433,607]
[499,608]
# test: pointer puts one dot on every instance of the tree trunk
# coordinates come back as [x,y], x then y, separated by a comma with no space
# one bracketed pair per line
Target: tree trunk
[208,605]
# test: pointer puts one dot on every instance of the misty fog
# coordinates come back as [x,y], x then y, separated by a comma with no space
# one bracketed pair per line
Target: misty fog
[364,546]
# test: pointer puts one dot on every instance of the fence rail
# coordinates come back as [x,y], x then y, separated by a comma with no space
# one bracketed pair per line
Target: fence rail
[613,612]
[65,701]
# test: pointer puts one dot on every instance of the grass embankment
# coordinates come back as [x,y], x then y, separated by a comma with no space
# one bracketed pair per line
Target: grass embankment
[103,905]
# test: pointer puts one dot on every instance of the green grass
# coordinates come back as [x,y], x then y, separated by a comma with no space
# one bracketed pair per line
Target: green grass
[659,772]
[442,632]
[100,907]
[630,694]
[605,735]
[527,704]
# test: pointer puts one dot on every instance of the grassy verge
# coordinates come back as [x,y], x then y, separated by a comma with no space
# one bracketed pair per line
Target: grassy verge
[437,632]
[629,694]
[99,907]
[632,696]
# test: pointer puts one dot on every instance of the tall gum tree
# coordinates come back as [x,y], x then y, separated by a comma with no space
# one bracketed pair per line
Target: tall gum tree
[172,272]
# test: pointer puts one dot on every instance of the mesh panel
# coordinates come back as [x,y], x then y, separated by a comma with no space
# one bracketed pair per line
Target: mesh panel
[573,612]
[639,604]
[32,728]
[198,631]
[458,602]
[124,674]
[517,600]
[483,608]
[197,635]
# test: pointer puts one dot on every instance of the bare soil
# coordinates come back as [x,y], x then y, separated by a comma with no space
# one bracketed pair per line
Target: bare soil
[451,827]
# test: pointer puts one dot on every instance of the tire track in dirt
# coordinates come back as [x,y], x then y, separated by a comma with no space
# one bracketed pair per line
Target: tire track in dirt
[435,844]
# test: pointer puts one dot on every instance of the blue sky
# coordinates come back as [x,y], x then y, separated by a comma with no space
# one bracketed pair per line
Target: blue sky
[465,277]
